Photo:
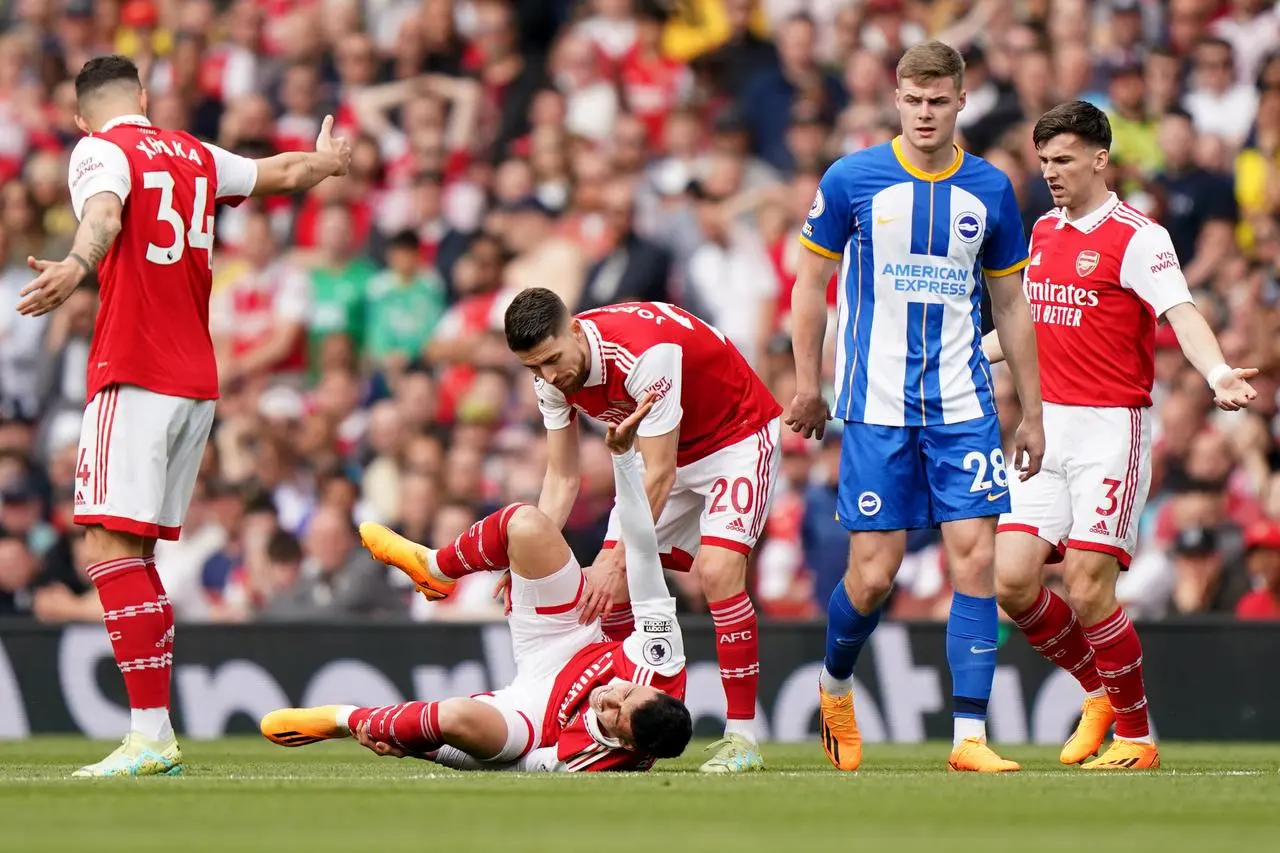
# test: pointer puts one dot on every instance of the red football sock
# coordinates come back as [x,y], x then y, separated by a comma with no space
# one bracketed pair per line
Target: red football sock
[618,623]
[135,621]
[1054,631]
[1119,652]
[167,610]
[738,649]
[483,548]
[412,726]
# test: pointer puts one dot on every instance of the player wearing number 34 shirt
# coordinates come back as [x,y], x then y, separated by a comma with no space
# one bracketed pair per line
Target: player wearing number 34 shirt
[145,199]
[1101,273]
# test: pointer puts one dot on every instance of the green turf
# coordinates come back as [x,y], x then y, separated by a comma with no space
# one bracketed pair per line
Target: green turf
[246,795]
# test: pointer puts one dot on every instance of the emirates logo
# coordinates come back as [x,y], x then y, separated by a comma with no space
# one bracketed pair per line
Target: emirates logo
[1086,262]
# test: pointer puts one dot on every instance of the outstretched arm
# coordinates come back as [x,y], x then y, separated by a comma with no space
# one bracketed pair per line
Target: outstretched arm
[99,227]
[1231,389]
[297,171]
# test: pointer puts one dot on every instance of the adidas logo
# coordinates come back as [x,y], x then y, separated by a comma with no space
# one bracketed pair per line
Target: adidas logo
[79,499]
[1100,529]
[736,526]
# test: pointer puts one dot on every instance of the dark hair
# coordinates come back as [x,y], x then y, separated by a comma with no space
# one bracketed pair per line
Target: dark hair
[406,239]
[104,70]
[661,727]
[533,316]
[1078,117]
[283,547]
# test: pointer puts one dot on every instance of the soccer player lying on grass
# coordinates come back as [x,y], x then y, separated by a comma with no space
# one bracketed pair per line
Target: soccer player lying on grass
[578,701]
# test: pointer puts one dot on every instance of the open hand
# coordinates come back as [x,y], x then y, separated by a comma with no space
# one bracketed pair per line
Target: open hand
[366,740]
[55,282]
[1028,448]
[1233,391]
[605,582]
[620,438]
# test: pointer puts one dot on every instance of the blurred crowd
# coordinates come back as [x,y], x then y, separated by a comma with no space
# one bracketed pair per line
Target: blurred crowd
[612,150]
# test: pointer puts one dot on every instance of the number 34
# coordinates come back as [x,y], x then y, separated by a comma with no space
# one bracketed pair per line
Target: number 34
[976,461]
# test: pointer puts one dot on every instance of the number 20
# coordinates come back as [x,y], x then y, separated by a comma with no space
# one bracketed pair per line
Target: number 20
[742,495]
[976,459]
[200,234]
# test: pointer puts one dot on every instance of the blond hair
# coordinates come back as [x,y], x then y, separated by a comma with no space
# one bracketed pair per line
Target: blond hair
[931,60]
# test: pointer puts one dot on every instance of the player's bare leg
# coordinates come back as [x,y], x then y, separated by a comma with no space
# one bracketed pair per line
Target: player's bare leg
[517,536]
[1054,631]
[140,625]
[1091,588]
[853,613]
[972,629]
[723,573]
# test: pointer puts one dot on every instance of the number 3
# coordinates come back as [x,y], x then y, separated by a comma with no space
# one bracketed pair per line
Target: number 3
[976,459]
[197,237]
[1110,502]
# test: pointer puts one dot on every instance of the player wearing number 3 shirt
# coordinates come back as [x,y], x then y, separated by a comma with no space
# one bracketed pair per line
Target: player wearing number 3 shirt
[710,453]
[1100,275]
[145,199]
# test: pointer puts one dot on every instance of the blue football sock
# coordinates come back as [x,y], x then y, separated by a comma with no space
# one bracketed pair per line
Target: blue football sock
[971,653]
[847,633]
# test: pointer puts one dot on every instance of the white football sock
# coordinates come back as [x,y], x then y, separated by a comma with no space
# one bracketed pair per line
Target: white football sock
[967,727]
[343,717]
[152,723]
[434,570]
[833,686]
[1094,694]
[743,728]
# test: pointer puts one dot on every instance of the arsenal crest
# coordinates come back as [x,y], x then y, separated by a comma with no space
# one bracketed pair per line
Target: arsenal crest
[1086,262]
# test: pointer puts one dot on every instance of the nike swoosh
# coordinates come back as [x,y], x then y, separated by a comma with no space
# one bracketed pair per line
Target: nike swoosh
[998,495]
[977,651]
[882,220]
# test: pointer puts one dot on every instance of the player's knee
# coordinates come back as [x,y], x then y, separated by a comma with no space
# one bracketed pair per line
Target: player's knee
[1016,592]
[973,561]
[868,586]
[1090,584]
[528,523]
[102,544]
[723,572]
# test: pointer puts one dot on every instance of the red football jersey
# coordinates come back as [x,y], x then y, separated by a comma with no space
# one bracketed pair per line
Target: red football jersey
[153,327]
[569,724]
[1096,287]
[705,385]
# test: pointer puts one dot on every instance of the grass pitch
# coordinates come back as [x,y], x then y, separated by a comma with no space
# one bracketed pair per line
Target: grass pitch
[243,794]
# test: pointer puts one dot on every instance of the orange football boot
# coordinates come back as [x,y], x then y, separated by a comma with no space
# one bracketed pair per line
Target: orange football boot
[973,755]
[301,726]
[841,739]
[408,556]
[1096,718]
[1127,755]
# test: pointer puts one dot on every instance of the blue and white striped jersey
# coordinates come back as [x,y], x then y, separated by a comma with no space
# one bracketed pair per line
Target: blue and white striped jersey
[915,247]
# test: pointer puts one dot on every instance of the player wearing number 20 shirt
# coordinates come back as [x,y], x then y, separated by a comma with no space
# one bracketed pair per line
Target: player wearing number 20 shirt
[145,199]
[710,452]
[1100,275]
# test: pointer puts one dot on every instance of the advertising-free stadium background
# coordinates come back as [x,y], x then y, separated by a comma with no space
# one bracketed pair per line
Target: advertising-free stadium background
[501,145]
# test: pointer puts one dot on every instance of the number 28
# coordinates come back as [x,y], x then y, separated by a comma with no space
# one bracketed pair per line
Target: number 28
[976,461]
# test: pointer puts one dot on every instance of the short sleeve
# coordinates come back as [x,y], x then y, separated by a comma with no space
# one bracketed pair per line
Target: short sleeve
[556,412]
[1150,269]
[237,176]
[97,166]
[659,369]
[830,222]
[1006,250]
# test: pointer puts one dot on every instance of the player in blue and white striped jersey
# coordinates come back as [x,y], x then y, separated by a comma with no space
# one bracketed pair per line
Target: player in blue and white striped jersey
[918,226]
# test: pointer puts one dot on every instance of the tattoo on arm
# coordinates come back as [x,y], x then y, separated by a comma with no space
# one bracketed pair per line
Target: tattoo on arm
[98,230]
[104,234]
[88,268]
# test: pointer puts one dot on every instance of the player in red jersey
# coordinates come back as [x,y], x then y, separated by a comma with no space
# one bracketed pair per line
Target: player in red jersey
[710,451]
[1100,275]
[579,702]
[145,200]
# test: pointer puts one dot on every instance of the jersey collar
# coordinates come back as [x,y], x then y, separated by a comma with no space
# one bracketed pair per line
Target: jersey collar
[595,346]
[1094,218]
[923,175]
[119,120]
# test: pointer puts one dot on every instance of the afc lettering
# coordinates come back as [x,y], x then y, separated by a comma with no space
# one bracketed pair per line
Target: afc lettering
[735,637]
